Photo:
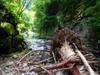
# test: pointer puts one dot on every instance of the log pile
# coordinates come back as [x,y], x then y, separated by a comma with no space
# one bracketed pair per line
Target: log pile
[67,45]
[68,54]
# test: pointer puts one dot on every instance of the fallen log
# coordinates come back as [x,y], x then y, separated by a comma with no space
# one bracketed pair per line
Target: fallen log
[59,65]
[86,64]
[67,53]
[63,48]
[50,67]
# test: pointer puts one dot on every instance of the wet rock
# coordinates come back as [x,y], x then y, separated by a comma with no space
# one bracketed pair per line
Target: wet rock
[15,56]
[33,73]
[9,63]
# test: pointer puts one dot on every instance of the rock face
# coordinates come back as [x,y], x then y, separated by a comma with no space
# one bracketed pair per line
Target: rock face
[87,33]
[84,31]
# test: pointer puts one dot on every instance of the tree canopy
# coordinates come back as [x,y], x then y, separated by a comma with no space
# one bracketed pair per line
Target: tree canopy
[24,17]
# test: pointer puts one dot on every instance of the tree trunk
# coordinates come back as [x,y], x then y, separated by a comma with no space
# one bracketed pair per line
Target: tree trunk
[67,53]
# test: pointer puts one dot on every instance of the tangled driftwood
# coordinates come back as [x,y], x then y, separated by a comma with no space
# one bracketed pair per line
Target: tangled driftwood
[68,52]
[64,47]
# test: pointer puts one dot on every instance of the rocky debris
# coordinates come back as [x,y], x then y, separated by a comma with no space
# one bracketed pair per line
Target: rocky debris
[23,66]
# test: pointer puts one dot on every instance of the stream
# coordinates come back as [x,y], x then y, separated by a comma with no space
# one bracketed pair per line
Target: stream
[38,44]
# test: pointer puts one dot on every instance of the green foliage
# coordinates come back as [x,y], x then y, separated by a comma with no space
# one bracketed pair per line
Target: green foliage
[21,14]
[44,16]
[93,17]
[8,28]
[50,14]
[9,18]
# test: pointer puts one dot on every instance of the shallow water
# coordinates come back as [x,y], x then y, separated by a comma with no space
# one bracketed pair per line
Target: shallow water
[38,44]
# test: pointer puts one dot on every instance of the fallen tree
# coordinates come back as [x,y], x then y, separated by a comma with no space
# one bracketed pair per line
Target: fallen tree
[67,45]
[69,54]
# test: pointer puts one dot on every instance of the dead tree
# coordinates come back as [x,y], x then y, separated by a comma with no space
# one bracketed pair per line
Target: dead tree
[67,45]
